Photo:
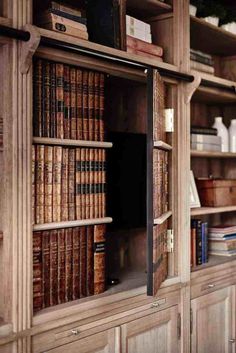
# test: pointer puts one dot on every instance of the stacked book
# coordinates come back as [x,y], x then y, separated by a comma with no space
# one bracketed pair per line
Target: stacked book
[68,264]
[160,182]
[65,19]
[68,102]
[205,139]
[68,183]
[139,39]
[199,242]
[222,240]
[201,62]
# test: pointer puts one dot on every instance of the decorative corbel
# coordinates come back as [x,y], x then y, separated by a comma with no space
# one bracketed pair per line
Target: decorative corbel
[29,48]
[191,87]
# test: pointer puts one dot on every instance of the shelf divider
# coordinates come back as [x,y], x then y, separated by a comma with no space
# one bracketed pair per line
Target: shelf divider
[68,142]
[71,224]
[162,145]
[208,154]
[162,218]
[200,211]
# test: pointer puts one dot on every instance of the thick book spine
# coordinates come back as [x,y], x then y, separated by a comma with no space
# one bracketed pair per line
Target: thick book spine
[53,268]
[96,183]
[46,268]
[76,263]
[206,241]
[46,99]
[85,105]
[197,225]
[91,104]
[37,272]
[78,183]
[83,183]
[166,185]
[87,188]
[103,183]
[99,183]
[203,130]
[96,105]
[33,182]
[69,16]
[90,261]
[64,185]
[203,241]
[38,99]
[57,167]
[71,196]
[193,247]
[68,263]
[60,26]
[79,104]
[48,169]
[73,127]
[155,182]
[143,46]
[61,267]
[59,100]
[53,103]
[83,240]
[99,258]
[39,184]
[101,107]
[67,102]
[91,182]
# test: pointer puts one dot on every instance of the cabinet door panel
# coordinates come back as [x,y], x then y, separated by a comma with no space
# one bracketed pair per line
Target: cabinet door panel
[212,322]
[155,333]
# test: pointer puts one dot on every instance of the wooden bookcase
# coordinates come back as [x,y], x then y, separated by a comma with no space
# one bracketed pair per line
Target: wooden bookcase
[124,315]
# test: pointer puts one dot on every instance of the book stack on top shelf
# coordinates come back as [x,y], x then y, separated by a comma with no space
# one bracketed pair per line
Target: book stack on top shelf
[222,240]
[205,139]
[201,62]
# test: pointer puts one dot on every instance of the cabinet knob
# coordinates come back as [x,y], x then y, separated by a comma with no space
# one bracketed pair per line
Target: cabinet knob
[232,340]
[75,332]
[211,285]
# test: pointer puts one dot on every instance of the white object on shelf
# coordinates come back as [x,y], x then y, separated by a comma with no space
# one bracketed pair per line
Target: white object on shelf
[192,10]
[232,136]
[212,20]
[230,27]
[222,132]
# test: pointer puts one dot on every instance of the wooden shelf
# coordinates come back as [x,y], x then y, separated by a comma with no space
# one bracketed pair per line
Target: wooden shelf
[214,261]
[208,154]
[200,211]
[162,218]
[67,142]
[162,145]
[71,224]
[211,39]
[147,8]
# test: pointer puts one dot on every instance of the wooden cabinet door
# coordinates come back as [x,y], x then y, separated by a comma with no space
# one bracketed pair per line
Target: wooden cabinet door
[155,333]
[103,342]
[212,316]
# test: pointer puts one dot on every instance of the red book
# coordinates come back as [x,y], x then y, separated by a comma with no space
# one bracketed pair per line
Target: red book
[79,103]
[90,261]
[142,53]
[64,185]
[37,272]
[67,102]
[101,107]
[85,105]
[91,104]
[46,267]
[68,264]
[53,268]
[71,174]
[140,45]
[61,267]
[99,258]
[76,263]
[73,128]
[82,257]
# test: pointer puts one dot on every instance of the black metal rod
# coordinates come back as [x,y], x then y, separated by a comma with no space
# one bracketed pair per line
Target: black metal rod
[212,84]
[14,33]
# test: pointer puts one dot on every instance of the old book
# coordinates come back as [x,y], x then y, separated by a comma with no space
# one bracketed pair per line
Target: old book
[96,183]
[46,99]
[68,264]
[59,100]
[202,67]
[53,106]
[67,102]
[193,247]
[53,268]
[160,267]
[87,186]
[38,99]
[91,182]
[73,127]
[57,168]
[71,192]
[99,258]
[79,104]
[46,267]
[101,107]
[37,272]
[48,187]
[90,260]
[83,182]
[61,266]
[39,194]
[75,263]
[85,105]
[159,131]
[140,45]
[196,224]
[78,199]
[65,185]
[99,185]
[203,130]
[51,17]
[33,182]
[82,257]
[91,97]
[131,50]
[74,11]
[59,26]
[96,105]
[103,183]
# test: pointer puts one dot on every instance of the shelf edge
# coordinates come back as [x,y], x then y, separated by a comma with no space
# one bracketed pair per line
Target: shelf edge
[71,224]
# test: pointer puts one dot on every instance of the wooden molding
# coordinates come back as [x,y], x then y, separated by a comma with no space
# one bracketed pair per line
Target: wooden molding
[29,48]
[191,88]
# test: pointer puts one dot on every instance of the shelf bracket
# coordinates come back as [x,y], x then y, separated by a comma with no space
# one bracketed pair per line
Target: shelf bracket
[191,88]
[29,48]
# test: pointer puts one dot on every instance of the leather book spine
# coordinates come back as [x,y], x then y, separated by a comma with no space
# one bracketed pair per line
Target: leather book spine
[73,132]
[99,183]
[79,104]
[71,196]
[166,177]
[33,182]
[57,167]
[78,183]
[75,263]
[68,262]
[60,100]
[99,258]
[37,272]
[64,185]
[91,183]
[48,167]
[38,99]
[61,267]
[82,282]
[101,107]
[91,104]
[83,183]
[53,108]
[85,105]
[90,261]
[96,183]
[96,105]
[155,183]
[53,268]
[103,183]
[46,267]
[87,186]
[67,102]
[46,100]
[39,199]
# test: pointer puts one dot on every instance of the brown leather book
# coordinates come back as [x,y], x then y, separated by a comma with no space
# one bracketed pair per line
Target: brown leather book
[57,167]
[75,262]
[37,272]
[61,267]
[90,261]
[46,267]
[100,183]
[53,268]
[91,98]
[83,183]
[79,99]
[53,110]
[73,132]
[46,99]
[103,183]
[143,46]
[65,185]
[71,196]
[48,168]
[39,196]
[159,255]
[87,186]
[60,100]
[96,105]
[155,183]
[101,107]
[67,102]
[85,105]
[99,258]
[96,183]
[38,99]
[82,281]
[33,182]
[59,26]
[91,182]
[78,183]
[68,263]
[159,132]
[166,182]
[131,50]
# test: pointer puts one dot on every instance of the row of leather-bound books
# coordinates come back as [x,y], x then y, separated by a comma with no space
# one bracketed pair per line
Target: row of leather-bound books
[68,102]
[68,183]
[160,182]
[68,264]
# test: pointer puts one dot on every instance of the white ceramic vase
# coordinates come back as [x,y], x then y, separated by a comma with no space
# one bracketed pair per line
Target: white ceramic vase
[232,136]
[223,133]
[192,10]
